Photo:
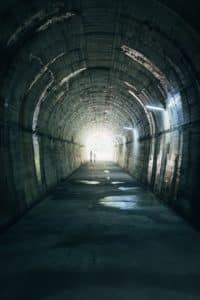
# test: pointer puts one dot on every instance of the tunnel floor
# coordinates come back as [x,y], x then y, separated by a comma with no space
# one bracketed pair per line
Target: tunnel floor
[100,235]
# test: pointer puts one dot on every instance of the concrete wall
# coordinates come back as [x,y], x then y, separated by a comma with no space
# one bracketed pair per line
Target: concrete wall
[27,174]
[168,164]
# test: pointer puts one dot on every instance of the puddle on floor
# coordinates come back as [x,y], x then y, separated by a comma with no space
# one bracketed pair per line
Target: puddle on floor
[121,202]
[128,202]
[128,188]
[106,171]
[117,182]
[88,182]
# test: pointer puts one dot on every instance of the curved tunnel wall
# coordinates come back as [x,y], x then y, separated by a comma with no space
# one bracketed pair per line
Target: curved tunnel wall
[70,67]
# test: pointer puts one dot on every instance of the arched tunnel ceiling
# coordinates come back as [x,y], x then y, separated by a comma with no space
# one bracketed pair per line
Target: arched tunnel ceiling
[71,65]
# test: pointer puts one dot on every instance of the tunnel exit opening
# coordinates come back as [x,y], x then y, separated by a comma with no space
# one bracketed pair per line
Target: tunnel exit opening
[100,146]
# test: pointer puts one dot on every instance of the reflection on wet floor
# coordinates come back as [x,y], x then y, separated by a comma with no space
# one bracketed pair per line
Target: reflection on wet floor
[128,188]
[121,202]
[88,182]
[108,178]
[84,236]
[106,171]
[128,201]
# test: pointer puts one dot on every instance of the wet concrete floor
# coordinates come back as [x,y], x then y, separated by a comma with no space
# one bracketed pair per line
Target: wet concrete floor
[111,240]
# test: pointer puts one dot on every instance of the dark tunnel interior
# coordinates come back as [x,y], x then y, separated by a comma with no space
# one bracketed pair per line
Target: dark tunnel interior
[118,80]
[73,72]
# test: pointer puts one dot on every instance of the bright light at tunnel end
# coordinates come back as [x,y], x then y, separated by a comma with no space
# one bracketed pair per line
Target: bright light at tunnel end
[100,142]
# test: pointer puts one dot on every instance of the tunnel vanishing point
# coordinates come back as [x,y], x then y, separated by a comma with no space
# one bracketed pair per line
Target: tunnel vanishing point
[117,81]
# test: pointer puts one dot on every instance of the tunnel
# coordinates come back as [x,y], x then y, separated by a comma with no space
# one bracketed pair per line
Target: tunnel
[111,78]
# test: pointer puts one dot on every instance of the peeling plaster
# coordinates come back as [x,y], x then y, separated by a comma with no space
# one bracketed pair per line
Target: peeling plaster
[144,61]
[71,75]
[15,36]
[55,20]
[44,67]
[38,17]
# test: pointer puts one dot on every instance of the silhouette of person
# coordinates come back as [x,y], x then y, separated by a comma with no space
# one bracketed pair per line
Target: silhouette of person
[90,155]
